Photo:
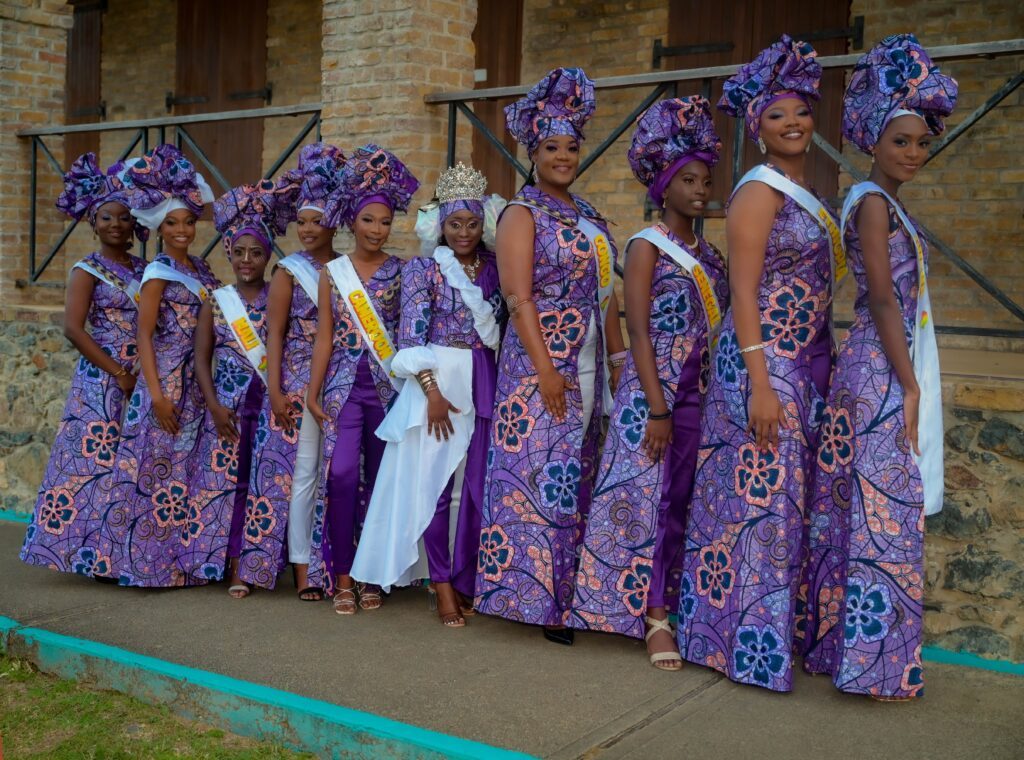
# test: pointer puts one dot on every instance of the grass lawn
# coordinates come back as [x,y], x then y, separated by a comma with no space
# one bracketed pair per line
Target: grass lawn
[44,717]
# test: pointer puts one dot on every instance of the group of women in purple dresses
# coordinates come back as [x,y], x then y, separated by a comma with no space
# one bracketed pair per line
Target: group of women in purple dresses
[471,417]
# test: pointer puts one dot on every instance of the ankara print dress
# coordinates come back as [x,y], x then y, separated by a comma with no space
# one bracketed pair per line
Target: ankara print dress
[221,482]
[746,545]
[639,505]
[347,350]
[150,521]
[867,513]
[65,529]
[273,457]
[540,472]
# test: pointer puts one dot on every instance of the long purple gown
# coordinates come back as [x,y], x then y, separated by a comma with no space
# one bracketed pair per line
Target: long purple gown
[265,529]
[740,606]
[65,527]
[540,472]
[867,513]
[348,351]
[221,482]
[434,312]
[150,520]
[632,551]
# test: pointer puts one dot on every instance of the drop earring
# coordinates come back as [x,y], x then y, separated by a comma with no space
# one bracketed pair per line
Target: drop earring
[761,146]
[808,148]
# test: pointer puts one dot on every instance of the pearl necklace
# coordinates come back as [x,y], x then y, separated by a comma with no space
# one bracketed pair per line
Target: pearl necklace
[472,269]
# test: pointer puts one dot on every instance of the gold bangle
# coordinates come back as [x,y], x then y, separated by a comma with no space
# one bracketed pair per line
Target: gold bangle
[755,347]
[120,373]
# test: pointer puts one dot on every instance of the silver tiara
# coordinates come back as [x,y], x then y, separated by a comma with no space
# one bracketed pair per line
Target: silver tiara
[461,182]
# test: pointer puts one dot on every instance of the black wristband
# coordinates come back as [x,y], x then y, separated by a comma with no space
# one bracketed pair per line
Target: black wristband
[664,416]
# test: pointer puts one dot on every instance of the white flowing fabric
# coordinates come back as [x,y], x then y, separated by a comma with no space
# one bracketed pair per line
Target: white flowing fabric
[400,510]
[483,315]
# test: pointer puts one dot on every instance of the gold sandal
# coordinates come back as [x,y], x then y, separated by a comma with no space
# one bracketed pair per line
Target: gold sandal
[345,601]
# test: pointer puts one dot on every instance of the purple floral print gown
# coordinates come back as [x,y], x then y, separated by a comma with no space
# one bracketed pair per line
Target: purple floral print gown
[150,521]
[740,607]
[64,533]
[540,472]
[867,512]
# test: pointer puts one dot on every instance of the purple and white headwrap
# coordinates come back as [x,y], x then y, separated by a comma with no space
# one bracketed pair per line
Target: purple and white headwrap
[317,175]
[262,210]
[86,188]
[892,79]
[163,181]
[669,135]
[371,175]
[788,68]
[559,104]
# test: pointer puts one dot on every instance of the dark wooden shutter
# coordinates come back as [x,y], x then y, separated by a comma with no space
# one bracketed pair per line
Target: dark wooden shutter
[498,39]
[83,101]
[222,66]
[750,26]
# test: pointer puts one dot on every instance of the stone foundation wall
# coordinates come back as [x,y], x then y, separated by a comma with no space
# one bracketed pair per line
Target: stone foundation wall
[975,546]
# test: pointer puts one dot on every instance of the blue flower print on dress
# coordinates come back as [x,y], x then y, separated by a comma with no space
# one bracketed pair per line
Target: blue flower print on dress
[728,361]
[760,654]
[230,378]
[87,368]
[687,598]
[262,430]
[866,610]
[131,415]
[633,418]
[670,312]
[560,485]
[87,561]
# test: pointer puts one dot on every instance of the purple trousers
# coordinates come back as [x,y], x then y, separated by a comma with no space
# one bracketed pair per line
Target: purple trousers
[676,484]
[356,445]
[460,569]
[248,416]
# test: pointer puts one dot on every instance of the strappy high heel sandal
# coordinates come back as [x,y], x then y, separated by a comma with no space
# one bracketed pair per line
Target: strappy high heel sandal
[370,597]
[453,619]
[345,601]
[654,626]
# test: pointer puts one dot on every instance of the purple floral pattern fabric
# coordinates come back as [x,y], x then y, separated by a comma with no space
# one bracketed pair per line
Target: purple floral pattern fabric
[64,533]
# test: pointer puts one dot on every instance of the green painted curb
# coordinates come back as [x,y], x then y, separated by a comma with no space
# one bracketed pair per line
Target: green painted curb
[968,660]
[18,517]
[244,708]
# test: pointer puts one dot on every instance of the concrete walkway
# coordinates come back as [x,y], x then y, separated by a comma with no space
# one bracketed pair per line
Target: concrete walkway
[503,685]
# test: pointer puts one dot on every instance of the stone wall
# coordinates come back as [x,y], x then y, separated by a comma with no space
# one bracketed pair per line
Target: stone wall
[975,546]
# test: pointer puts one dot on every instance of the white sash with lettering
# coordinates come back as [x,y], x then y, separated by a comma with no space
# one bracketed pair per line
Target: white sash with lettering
[130,288]
[604,254]
[483,315]
[413,472]
[806,200]
[157,270]
[237,318]
[688,262]
[925,355]
[365,315]
[304,272]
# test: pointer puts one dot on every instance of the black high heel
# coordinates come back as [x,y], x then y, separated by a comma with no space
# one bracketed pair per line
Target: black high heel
[563,636]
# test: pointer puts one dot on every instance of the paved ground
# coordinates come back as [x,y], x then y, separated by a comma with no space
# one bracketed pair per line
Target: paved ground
[502,684]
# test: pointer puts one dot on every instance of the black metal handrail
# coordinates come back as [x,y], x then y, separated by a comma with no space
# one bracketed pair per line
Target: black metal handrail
[142,133]
[665,82]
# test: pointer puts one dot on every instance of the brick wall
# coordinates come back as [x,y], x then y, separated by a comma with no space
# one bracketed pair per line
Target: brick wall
[33,58]
[379,60]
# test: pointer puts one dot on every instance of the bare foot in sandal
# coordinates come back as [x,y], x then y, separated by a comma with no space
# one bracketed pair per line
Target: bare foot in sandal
[448,607]
[370,596]
[661,641]
[237,588]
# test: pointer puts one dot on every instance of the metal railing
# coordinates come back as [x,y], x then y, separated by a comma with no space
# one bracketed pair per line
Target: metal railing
[143,134]
[665,82]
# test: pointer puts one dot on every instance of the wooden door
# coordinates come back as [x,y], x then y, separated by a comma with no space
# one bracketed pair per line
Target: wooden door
[83,102]
[498,40]
[222,66]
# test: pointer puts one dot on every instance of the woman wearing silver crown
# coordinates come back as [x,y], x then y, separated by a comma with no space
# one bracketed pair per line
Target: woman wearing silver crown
[429,489]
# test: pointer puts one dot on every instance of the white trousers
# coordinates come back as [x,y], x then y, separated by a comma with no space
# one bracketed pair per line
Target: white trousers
[587,369]
[304,484]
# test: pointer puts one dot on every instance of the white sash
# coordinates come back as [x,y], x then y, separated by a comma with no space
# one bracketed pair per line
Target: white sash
[157,270]
[925,355]
[604,253]
[304,273]
[812,206]
[365,315]
[483,315]
[130,288]
[237,317]
[413,473]
[688,262]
